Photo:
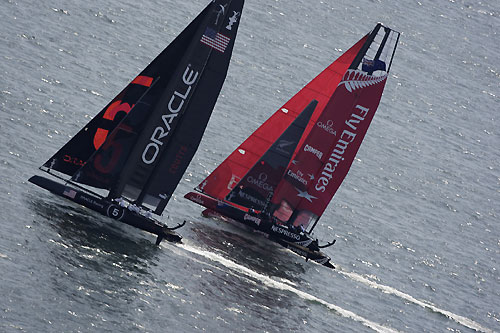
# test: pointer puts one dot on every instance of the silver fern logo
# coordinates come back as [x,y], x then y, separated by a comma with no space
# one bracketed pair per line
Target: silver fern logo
[354,79]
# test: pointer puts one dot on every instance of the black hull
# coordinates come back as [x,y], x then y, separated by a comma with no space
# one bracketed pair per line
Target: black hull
[107,208]
[299,242]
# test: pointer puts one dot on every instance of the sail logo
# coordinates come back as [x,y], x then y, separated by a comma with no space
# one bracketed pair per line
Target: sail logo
[328,127]
[174,167]
[355,79]
[260,182]
[233,181]
[297,176]
[305,195]
[220,12]
[314,151]
[233,19]
[342,144]
[283,145]
[175,105]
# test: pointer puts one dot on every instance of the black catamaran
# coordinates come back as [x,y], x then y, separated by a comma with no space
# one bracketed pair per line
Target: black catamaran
[138,147]
[281,179]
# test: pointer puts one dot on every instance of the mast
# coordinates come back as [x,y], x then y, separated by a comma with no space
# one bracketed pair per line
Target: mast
[365,47]
[173,133]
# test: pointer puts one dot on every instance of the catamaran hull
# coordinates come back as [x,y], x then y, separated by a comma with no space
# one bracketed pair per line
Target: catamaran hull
[107,208]
[297,242]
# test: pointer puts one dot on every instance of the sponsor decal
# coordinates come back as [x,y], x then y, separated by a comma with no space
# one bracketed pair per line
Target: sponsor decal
[91,201]
[232,183]
[115,212]
[175,105]
[198,199]
[283,146]
[233,19]
[215,40]
[220,11]
[250,198]
[285,232]
[328,127]
[260,182]
[338,151]
[305,195]
[69,193]
[297,176]
[314,151]
[251,218]
[355,79]
[69,159]
[178,159]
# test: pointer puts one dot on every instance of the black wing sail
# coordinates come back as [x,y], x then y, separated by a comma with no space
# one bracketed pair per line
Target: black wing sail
[257,186]
[75,153]
[158,148]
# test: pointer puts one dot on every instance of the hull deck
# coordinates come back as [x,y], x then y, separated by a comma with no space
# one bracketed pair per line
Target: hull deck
[108,208]
[299,242]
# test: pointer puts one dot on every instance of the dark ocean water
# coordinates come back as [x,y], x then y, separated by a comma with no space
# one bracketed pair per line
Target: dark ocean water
[416,220]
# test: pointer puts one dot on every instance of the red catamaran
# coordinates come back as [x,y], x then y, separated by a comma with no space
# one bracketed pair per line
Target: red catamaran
[281,179]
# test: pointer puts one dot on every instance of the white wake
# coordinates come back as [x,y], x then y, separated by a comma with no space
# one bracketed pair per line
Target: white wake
[269,282]
[389,290]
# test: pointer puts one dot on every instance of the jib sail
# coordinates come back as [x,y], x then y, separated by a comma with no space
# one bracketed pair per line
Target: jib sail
[257,187]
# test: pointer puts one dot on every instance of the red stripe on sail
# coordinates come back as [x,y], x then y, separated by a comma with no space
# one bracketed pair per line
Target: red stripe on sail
[220,182]
[143,80]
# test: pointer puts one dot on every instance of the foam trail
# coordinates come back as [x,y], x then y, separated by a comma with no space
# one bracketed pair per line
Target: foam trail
[389,290]
[269,282]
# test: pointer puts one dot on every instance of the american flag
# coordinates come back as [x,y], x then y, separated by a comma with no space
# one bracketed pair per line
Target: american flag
[215,40]
[69,193]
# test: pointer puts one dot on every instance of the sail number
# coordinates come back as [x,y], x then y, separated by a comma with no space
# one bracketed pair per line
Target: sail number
[101,134]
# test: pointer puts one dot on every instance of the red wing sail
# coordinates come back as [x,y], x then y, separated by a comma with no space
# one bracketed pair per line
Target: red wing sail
[222,180]
[258,185]
[325,157]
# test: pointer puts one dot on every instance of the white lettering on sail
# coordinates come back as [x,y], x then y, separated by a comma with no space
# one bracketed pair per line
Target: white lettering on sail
[261,182]
[297,176]
[175,105]
[336,156]
[314,151]
[328,127]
